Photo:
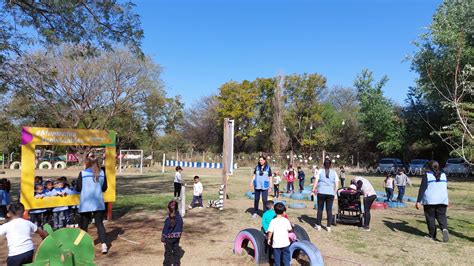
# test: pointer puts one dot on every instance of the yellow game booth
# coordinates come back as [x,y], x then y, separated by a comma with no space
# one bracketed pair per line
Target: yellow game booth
[34,136]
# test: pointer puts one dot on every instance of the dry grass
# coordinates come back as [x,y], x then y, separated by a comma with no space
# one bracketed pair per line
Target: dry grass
[396,236]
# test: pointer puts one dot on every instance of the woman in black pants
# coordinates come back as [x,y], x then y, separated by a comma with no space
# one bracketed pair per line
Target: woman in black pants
[262,182]
[369,197]
[91,183]
[433,194]
[326,184]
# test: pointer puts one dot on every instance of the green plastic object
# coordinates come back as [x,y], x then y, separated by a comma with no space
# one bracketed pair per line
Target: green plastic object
[65,247]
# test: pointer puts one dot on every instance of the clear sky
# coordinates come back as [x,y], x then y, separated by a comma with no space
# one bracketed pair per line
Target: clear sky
[203,44]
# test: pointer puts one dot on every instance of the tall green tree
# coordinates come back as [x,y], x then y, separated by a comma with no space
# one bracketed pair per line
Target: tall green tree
[91,23]
[381,126]
[303,95]
[239,101]
[443,62]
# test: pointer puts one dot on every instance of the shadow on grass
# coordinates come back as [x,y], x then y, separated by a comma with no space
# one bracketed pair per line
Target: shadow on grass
[400,225]
[307,219]
[460,235]
[250,211]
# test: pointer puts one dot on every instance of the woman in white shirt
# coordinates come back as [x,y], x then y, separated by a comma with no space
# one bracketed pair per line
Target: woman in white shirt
[369,197]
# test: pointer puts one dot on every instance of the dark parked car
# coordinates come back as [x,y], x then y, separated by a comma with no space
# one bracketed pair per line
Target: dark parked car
[417,166]
[390,165]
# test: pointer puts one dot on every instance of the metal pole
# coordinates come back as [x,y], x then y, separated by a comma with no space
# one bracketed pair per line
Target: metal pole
[141,162]
[225,155]
[163,164]
[120,161]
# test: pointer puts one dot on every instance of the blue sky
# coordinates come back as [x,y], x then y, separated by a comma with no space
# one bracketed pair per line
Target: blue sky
[203,44]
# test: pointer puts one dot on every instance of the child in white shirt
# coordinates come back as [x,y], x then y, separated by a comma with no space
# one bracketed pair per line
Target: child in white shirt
[278,229]
[276,184]
[197,193]
[178,182]
[18,232]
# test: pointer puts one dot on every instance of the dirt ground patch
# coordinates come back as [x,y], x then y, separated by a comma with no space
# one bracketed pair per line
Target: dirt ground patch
[396,236]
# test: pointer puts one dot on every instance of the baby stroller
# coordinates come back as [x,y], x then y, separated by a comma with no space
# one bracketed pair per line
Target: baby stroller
[350,206]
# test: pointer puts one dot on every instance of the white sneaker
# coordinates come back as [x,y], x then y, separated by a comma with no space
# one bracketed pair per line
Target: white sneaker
[104,248]
[190,207]
[200,207]
[317,227]
[328,229]
[445,235]
[2,218]
[254,215]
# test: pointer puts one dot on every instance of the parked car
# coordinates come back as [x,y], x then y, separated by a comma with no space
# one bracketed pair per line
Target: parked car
[457,167]
[390,165]
[417,166]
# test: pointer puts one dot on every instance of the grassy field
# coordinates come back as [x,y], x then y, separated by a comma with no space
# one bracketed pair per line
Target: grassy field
[396,236]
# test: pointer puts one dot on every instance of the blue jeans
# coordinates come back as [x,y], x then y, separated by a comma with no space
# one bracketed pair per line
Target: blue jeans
[301,185]
[401,193]
[389,192]
[197,200]
[61,219]
[282,256]
[257,193]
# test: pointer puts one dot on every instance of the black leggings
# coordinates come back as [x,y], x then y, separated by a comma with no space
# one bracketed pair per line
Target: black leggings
[177,189]
[324,199]
[367,204]
[98,216]
[172,252]
[437,212]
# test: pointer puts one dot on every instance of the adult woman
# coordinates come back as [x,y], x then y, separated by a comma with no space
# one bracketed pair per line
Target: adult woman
[262,183]
[326,184]
[433,194]
[91,183]
[368,191]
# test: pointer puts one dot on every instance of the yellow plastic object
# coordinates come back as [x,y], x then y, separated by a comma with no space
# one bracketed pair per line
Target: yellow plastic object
[34,136]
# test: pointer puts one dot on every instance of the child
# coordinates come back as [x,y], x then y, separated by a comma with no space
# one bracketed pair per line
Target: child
[171,234]
[278,229]
[48,191]
[301,177]
[342,175]
[60,214]
[290,178]
[38,180]
[389,185]
[178,181]
[36,216]
[4,197]
[276,184]
[268,216]
[18,232]
[197,193]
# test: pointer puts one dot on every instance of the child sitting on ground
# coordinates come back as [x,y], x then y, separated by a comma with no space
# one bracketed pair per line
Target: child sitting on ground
[197,194]
[171,234]
[61,213]
[279,229]
[18,232]
[4,197]
[36,215]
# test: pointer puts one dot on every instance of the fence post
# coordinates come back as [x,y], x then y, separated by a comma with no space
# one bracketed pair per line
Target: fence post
[163,164]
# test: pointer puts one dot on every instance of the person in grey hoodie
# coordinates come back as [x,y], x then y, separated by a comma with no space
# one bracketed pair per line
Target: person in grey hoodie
[401,181]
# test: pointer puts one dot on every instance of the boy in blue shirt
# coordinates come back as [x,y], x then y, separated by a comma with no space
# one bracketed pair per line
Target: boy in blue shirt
[268,216]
